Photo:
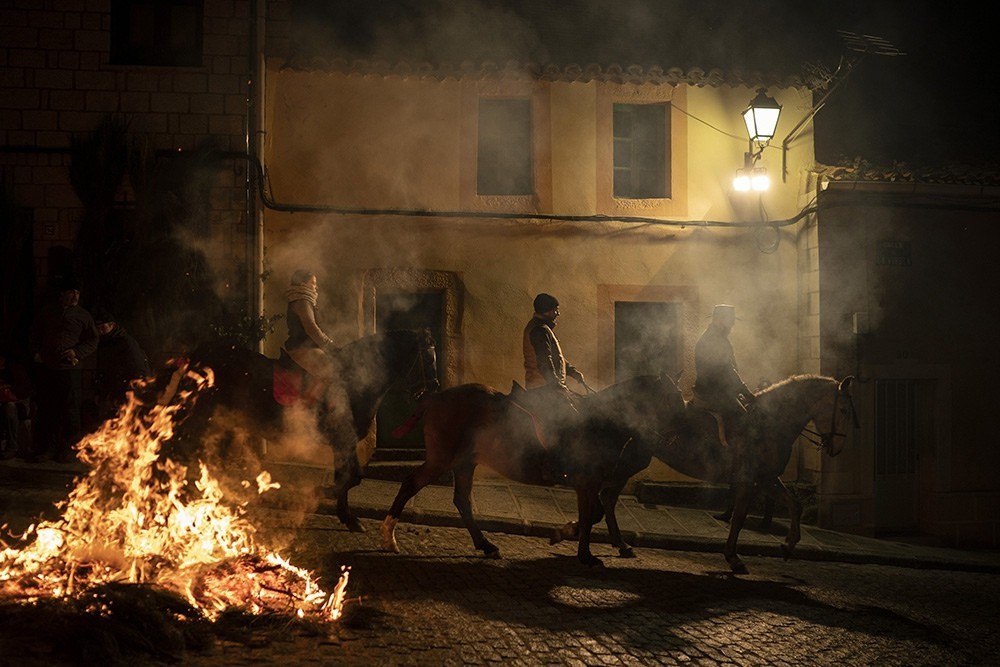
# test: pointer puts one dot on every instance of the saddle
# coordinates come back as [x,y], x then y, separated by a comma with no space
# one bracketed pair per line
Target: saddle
[289,380]
[518,399]
[700,405]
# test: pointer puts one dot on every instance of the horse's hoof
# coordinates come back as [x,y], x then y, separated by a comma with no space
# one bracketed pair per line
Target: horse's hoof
[737,567]
[555,537]
[388,530]
[491,551]
[786,551]
[590,560]
[353,525]
[626,552]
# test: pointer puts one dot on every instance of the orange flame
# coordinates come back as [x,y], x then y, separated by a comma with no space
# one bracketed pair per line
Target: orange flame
[134,518]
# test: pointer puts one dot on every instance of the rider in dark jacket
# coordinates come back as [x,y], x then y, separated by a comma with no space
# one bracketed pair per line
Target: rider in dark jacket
[545,372]
[718,384]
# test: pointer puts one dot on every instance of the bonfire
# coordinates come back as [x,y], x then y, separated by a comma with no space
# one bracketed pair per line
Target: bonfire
[142,520]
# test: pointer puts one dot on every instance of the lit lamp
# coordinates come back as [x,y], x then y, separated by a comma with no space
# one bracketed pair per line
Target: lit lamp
[761,118]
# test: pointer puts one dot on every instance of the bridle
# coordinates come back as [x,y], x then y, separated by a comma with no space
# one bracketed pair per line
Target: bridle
[825,438]
[425,381]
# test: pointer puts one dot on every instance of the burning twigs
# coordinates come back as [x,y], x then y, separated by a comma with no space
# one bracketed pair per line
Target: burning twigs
[139,520]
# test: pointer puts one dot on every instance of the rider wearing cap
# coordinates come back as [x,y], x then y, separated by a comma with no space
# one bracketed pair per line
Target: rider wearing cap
[545,372]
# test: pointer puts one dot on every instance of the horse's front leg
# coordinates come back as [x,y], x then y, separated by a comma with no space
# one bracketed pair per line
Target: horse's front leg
[777,490]
[589,510]
[741,503]
[462,499]
[609,501]
[346,476]
[415,481]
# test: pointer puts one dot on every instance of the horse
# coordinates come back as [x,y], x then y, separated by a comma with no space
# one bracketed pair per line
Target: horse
[761,446]
[473,424]
[244,384]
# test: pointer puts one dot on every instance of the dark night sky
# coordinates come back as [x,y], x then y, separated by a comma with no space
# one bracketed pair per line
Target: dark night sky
[926,108]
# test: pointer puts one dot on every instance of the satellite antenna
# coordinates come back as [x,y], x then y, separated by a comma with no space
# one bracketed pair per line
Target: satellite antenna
[856,43]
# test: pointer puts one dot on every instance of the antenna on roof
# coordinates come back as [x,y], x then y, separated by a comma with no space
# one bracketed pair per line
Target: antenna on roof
[863,44]
[866,44]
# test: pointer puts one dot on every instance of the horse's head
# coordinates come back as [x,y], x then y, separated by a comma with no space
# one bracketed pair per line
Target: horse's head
[422,375]
[837,410]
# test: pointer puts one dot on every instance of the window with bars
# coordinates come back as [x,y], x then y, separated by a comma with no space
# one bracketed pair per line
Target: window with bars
[895,427]
[157,32]
[641,153]
[504,155]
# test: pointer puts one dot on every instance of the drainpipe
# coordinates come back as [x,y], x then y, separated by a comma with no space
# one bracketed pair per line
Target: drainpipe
[254,148]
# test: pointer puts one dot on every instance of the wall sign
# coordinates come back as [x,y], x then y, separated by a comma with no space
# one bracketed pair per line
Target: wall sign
[892,253]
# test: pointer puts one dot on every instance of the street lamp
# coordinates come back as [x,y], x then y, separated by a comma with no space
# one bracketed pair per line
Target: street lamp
[761,118]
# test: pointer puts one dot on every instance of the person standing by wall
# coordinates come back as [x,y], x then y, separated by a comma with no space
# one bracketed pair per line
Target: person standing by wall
[120,359]
[64,335]
[15,403]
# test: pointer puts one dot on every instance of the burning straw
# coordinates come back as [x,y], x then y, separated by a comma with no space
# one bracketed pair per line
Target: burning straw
[135,519]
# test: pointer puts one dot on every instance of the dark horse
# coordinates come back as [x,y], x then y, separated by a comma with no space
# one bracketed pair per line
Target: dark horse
[473,423]
[762,446]
[243,383]
[761,449]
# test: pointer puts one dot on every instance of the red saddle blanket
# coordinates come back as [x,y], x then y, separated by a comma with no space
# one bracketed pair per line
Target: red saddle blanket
[287,385]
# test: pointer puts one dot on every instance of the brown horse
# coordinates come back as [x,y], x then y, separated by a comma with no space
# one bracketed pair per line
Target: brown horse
[472,424]
[762,446]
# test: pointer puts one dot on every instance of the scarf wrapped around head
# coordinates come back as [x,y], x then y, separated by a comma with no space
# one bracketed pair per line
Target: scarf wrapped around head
[300,292]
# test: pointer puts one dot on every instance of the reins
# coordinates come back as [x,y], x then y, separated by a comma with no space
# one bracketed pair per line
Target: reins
[419,387]
[824,438]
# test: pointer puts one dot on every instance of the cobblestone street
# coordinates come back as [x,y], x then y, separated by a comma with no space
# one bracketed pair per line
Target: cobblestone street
[439,603]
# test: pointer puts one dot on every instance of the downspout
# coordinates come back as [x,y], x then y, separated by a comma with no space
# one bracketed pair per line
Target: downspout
[254,148]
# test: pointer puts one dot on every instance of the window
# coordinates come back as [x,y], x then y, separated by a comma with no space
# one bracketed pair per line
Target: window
[647,339]
[641,154]
[503,159]
[156,32]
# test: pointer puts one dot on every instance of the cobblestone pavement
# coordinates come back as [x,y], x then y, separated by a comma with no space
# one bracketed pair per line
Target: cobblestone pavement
[440,603]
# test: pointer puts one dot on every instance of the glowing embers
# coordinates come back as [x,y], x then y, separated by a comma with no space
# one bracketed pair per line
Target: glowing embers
[140,520]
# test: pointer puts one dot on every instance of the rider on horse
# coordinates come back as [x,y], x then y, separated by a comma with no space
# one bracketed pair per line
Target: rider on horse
[545,372]
[307,343]
[718,386]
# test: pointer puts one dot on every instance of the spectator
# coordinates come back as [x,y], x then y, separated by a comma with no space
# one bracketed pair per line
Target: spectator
[63,336]
[15,399]
[120,359]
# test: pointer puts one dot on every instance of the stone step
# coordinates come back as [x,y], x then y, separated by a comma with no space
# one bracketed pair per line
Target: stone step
[399,454]
[397,471]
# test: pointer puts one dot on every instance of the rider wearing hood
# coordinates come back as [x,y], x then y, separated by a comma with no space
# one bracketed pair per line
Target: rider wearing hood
[307,343]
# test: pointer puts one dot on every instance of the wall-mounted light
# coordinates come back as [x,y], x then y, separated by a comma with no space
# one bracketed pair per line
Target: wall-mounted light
[754,179]
[761,119]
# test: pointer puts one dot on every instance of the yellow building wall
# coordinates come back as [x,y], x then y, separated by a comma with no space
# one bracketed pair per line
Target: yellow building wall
[352,142]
